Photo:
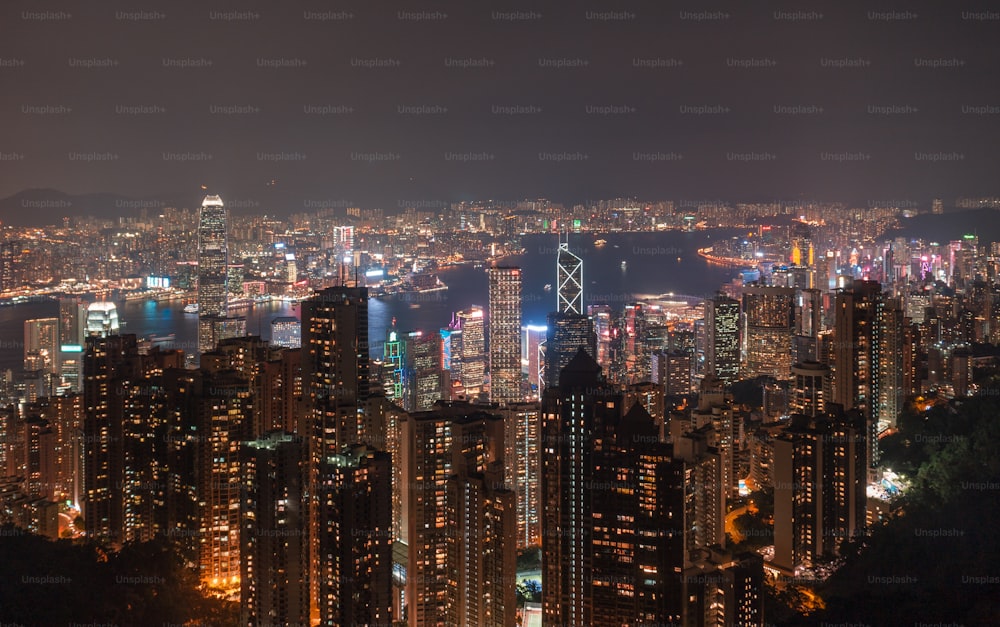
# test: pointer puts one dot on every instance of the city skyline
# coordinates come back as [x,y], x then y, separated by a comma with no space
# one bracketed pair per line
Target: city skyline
[494,316]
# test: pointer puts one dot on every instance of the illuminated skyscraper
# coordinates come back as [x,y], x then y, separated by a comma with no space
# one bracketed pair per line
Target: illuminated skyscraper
[523,421]
[355,538]
[336,365]
[614,515]
[810,388]
[462,519]
[868,357]
[286,331]
[472,350]
[102,319]
[505,335]
[274,540]
[567,333]
[108,361]
[532,336]
[819,487]
[72,321]
[722,345]
[224,413]
[423,371]
[213,263]
[569,279]
[41,345]
[769,325]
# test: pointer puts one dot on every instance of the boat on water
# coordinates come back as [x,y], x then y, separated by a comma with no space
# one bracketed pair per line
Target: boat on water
[239,303]
[548,287]
[600,242]
[624,265]
[163,338]
[191,308]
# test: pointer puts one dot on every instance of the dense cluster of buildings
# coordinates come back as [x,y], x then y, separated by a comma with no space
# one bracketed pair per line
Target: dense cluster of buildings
[320,485]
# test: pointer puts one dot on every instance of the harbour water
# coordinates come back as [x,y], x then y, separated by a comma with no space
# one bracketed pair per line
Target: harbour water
[654,264]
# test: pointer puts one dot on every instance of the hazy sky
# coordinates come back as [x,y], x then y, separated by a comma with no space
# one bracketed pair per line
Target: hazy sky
[384,103]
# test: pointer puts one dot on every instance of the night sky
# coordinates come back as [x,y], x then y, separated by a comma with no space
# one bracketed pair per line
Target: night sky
[283,106]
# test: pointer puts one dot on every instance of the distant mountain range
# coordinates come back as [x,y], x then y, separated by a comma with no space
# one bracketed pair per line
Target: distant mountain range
[945,227]
[43,207]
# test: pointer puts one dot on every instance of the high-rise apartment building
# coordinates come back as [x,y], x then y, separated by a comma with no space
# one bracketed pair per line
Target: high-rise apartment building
[868,357]
[335,366]
[820,480]
[274,540]
[354,527]
[461,517]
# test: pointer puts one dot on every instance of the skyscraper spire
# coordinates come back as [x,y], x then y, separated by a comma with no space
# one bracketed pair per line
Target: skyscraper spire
[569,280]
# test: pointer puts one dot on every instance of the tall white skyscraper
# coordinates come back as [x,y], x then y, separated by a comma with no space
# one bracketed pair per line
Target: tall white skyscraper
[569,271]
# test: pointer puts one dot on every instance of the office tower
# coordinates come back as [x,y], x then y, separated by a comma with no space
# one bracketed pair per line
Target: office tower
[472,350]
[336,366]
[274,541]
[461,517]
[819,478]
[808,324]
[811,388]
[355,538]
[423,371]
[937,206]
[567,333]
[505,335]
[569,281]
[393,364]
[286,331]
[604,329]
[769,324]
[634,328]
[532,336]
[102,319]
[72,321]
[722,342]
[41,347]
[108,362]
[568,427]
[213,263]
